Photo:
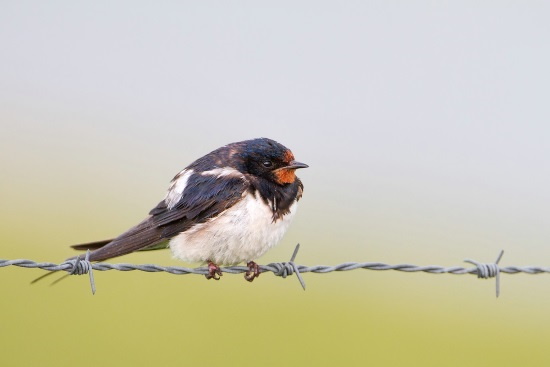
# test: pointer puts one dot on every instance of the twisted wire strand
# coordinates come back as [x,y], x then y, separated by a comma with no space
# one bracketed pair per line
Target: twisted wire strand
[274,268]
[283,269]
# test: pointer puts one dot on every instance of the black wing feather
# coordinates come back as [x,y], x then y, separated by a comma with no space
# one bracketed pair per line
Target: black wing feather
[204,197]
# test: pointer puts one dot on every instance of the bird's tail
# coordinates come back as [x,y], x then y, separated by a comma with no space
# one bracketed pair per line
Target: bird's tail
[91,245]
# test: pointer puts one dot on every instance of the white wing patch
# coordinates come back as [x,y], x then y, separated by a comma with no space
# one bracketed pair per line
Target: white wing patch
[177,186]
[223,172]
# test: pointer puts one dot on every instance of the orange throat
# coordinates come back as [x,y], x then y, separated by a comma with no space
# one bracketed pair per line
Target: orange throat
[285,176]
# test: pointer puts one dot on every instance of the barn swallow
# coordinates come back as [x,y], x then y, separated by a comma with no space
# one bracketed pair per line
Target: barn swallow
[228,207]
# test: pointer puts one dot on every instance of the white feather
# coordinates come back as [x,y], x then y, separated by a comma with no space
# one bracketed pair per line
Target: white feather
[243,232]
[222,172]
[175,191]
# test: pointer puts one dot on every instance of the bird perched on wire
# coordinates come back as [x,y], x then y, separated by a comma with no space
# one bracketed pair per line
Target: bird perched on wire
[230,206]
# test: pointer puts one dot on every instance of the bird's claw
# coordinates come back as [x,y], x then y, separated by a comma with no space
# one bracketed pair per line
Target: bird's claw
[252,272]
[214,271]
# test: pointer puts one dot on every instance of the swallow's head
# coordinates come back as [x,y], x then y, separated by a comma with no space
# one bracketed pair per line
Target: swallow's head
[270,160]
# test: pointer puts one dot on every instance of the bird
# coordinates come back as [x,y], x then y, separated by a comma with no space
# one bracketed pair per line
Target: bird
[230,206]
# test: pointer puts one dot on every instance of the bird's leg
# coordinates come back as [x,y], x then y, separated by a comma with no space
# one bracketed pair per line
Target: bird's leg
[252,272]
[214,271]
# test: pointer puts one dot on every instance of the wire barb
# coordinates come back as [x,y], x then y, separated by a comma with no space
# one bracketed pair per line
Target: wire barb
[491,270]
[81,266]
[285,269]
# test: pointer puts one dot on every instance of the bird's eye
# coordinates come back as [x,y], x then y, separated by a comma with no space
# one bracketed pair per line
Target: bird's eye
[267,164]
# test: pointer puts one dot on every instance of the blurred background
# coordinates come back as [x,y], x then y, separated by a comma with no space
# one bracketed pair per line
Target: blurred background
[426,128]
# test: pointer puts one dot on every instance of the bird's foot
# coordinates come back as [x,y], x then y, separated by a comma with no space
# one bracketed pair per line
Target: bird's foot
[214,271]
[252,272]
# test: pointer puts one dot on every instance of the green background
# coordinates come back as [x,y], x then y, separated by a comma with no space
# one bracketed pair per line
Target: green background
[425,126]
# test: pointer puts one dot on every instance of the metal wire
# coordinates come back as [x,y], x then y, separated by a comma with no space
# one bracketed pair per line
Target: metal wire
[283,269]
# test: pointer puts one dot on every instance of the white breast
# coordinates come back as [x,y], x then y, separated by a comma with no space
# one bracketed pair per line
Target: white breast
[241,233]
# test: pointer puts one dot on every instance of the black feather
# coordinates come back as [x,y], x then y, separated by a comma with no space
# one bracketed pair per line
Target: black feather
[91,245]
[204,197]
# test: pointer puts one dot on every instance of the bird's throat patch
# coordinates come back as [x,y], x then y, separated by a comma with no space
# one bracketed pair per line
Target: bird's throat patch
[285,176]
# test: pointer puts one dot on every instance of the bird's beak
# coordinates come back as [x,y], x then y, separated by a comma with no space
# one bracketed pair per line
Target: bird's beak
[296,165]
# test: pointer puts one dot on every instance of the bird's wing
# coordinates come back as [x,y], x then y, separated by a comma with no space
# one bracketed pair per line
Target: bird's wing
[204,197]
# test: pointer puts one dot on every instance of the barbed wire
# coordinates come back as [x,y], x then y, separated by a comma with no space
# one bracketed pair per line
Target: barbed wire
[81,266]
